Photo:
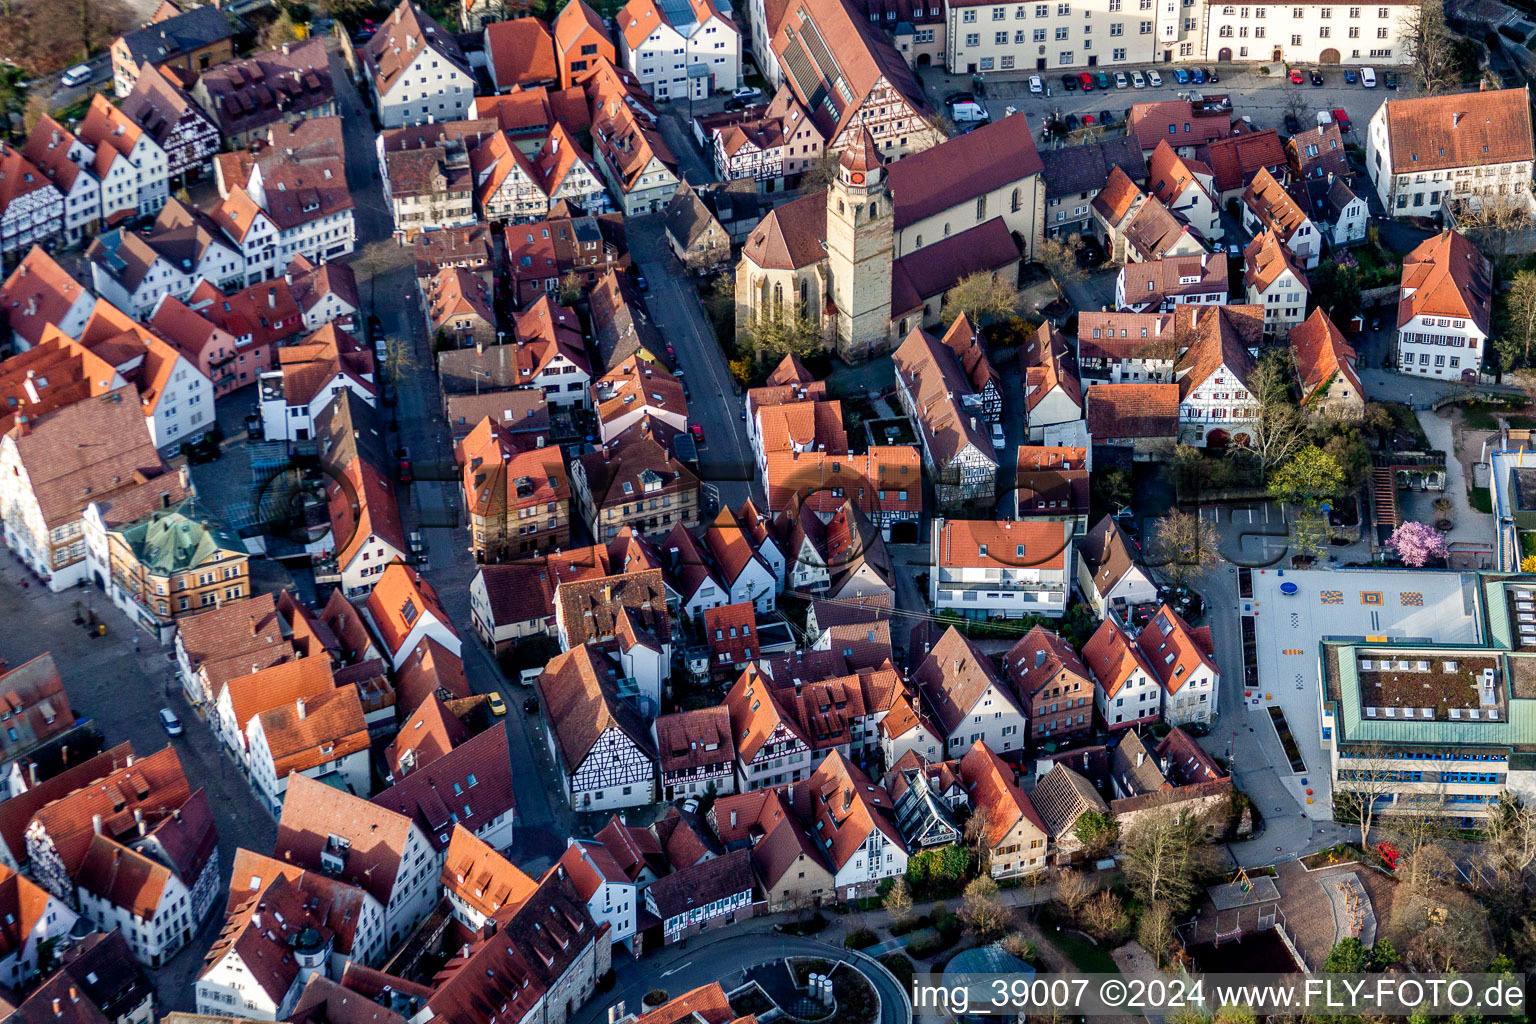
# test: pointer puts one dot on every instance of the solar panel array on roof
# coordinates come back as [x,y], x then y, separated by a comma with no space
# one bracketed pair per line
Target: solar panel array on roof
[804,73]
[679,13]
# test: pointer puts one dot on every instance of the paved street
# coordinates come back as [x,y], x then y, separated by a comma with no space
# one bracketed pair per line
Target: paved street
[714,401]
[121,686]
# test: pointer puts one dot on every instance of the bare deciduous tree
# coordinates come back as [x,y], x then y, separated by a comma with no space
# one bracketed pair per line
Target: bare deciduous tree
[1164,856]
[1369,777]
[1431,48]
[1104,917]
[983,911]
[1184,546]
[1059,257]
[983,297]
[1073,890]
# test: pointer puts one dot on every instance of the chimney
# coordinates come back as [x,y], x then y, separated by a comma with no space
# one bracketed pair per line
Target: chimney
[23,425]
[138,820]
[96,823]
[271,298]
[165,499]
[300,705]
[287,47]
[1141,758]
[1455,119]
[254,630]
[733,817]
[30,384]
[184,474]
[58,1007]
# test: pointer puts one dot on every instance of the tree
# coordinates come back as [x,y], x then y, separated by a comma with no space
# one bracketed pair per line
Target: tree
[399,361]
[983,297]
[1518,306]
[776,332]
[1416,544]
[1015,944]
[1155,931]
[1307,478]
[1097,831]
[1059,257]
[283,29]
[1369,777]
[1348,956]
[977,827]
[819,173]
[1295,105]
[1278,428]
[1111,489]
[1073,890]
[1495,224]
[1510,834]
[569,292]
[983,911]
[1336,290]
[1164,856]
[1104,917]
[899,901]
[1183,546]
[1431,48]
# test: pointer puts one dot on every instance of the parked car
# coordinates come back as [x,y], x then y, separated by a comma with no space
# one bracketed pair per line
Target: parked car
[1341,116]
[1296,76]
[1035,85]
[498,706]
[747,92]
[1389,79]
[1069,83]
[77,75]
[1155,78]
[1212,75]
[1197,76]
[959,97]
[1138,80]
[1121,82]
[999,439]
[671,352]
[1106,118]
[1351,76]
[1085,80]
[1324,118]
[531,706]
[255,429]
[407,475]
[1089,119]
[1291,124]
[1181,76]
[1101,80]
[697,430]
[171,723]
[737,104]
[1317,78]
[1071,122]
[1368,77]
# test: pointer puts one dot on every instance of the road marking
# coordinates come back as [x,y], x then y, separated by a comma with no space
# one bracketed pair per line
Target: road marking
[668,974]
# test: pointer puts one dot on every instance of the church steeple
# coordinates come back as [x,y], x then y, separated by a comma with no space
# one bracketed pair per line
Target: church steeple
[859,249]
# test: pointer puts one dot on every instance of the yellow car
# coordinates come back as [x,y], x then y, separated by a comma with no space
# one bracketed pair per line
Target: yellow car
[498,706]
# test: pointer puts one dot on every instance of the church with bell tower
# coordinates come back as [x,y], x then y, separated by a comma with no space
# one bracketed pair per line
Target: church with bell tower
[831,256]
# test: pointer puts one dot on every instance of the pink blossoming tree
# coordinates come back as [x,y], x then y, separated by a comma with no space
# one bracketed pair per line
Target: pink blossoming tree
[1416,544]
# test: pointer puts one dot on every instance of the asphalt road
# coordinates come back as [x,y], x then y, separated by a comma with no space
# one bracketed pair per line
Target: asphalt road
[714,403]
[431,504]
[722,957]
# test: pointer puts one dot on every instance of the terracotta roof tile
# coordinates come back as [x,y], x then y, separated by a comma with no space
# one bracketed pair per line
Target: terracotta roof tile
[989,782]
[1235,160]
[278,684]
[1125,411]
[579,692]
[469,785]
[1431,133]
[481,877]
[1448,277]
[314,811]
[952,678]
[960,169]
[1321,354]
[521,52]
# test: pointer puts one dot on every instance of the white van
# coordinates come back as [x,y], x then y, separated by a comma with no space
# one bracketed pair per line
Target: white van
[75,75]
[1368,77]
[967,113]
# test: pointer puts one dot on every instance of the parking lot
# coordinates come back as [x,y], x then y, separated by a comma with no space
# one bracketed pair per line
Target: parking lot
[1263,92]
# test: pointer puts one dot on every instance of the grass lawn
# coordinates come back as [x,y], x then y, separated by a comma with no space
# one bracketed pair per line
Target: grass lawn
[1527,544]
[1084,955]
[1484,416]
[1481,499]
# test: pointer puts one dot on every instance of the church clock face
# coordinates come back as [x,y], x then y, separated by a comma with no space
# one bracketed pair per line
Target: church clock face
[858,178]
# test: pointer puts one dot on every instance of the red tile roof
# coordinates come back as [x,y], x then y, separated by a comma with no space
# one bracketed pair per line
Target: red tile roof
[1446,276]
[1432,133]
[1127,411]
[396,602]
[314,811]
[1234,160]
[470,785]
[1321,355]
[1169,646]
[483,878]
[521,51]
